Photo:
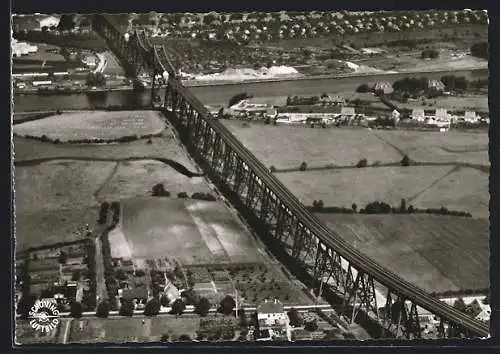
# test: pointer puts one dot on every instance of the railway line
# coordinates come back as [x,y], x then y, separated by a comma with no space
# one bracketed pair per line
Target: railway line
[157,59]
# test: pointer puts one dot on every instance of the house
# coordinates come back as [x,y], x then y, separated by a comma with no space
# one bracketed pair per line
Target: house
[442,114]
[49,22]
[395,115]
[171,291]
[418,114]
[470,116]
[383,86]
[484,315]
[271,315]
[347,111]
[436,85]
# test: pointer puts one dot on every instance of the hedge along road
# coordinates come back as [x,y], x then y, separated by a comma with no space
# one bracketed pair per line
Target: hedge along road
[221,93]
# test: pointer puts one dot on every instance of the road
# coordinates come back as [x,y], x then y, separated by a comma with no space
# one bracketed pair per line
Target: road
[101,292]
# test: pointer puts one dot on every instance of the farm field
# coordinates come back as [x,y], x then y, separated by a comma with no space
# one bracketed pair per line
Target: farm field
[165,146]
[190,231]
[452,146]
[287,146]
[43,53]
[437,253]
[94,125]
[133,329]
[465,189]
[347,186]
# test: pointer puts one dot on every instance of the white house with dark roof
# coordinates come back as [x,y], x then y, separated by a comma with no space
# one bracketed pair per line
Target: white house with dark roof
[418,114]
[271,314]
[436,85]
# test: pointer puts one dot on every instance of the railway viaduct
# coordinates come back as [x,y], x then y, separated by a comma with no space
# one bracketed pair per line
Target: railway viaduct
[330,265]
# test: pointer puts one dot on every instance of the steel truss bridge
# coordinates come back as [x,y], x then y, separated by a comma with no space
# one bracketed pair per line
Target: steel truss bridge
[334,267]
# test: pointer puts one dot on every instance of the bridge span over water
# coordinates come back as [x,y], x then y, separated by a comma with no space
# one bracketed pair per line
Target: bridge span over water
[321,257]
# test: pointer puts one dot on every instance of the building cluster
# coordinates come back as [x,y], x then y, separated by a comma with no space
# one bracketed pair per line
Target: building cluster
[137,278]
[62,272]
[256,26]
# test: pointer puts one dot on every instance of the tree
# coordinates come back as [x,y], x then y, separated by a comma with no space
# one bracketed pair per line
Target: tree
[96,79]
[227,305]
[164,301]
[184,338]
[354,207]
[480,50]
[63,257]
[159,191]
[178,307]
[238,98]
[152,307]
[303,166]
[25,304]
[127,308]
[45,29]
[76,309]
[164,338]
[190,296]
[202,307]
[362,163]
[76,275]
[363,88]
[296,319]
[311,326]
[405,161]
[460,305]
[403,206]
[66,22]
[102,310]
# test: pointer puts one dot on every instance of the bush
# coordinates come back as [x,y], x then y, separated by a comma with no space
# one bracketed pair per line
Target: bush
[182,195]
[164,301]
[354,207]
[227,305]
[178,307]
[152,307]
[202,307]
[102,310]
[405,161]
[363,88]
[159,191]
[164,338]
[303,166]
[149,141]
[184,338]
[362,163]
[127,308]
[76,310]
[295,317]
[272,169]
[311,326]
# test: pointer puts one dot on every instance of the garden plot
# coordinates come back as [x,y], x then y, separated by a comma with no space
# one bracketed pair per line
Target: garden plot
[94,125]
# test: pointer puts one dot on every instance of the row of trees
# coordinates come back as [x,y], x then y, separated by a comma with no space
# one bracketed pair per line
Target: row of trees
[378,207]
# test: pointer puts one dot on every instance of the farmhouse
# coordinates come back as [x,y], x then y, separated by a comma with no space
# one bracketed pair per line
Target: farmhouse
[436,85]
[49,21]
[271,315]
[171,291]
[418,114]
[383,86]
